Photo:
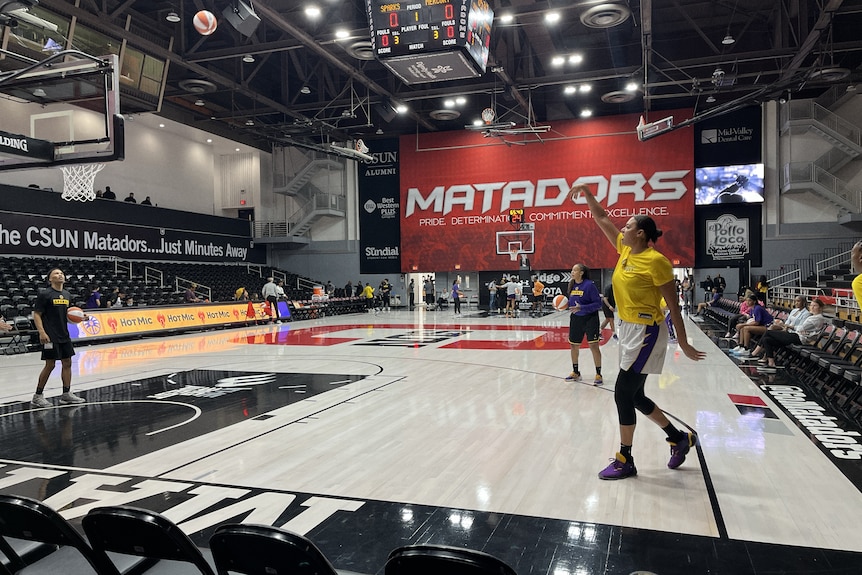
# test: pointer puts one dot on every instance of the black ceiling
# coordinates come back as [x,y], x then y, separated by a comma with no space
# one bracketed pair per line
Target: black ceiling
[671,48]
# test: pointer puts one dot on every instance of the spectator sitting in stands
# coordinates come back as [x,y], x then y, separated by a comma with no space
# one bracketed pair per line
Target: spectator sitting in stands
[241,294]
[804,332]
[797,315]
[735,323]
[190,296]
[111,299]
[119,300]
[130,302]
[757,323]
[109,194]
[716,296]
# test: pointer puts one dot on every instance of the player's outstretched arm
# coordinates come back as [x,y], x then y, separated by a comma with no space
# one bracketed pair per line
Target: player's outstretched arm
[599,214]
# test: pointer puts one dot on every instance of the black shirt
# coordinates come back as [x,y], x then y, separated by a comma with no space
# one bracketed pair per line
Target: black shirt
[52,304]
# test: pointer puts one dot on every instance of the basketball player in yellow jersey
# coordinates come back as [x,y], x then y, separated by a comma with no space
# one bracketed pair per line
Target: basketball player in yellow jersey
[856,264]
[641,278]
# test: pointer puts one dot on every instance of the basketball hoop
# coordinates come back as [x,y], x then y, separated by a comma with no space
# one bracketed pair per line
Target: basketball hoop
[513,255]
[78,181]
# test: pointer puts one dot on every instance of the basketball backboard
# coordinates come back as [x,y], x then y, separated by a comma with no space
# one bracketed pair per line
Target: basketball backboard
[60,110]
[520,240]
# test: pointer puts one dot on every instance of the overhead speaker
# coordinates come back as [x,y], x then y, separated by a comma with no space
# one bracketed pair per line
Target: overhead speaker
[242,17]
[386,112]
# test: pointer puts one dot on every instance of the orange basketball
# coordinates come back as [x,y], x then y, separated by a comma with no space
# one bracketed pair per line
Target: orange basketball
[205,22]
[75,314]
[561,302]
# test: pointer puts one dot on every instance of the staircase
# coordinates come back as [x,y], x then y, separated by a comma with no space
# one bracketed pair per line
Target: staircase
[313,203]
[818,176]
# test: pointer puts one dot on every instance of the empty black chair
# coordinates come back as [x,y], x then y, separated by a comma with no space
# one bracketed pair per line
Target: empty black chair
[436,559]
[58,547]
[252,549]
[130,531]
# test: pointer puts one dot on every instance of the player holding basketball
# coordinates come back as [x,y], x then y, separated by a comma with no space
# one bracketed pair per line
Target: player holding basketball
[584,305]
[641,277]
[49,316]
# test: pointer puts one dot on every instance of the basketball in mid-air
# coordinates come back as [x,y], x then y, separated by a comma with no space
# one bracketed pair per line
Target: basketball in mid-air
[205,22]
[561,302]
[75,314]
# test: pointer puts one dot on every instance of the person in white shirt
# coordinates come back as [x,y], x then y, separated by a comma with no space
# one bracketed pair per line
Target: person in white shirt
[513,293]
[269,292]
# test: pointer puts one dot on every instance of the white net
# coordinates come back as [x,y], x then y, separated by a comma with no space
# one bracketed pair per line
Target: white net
[78,181]
[513,255]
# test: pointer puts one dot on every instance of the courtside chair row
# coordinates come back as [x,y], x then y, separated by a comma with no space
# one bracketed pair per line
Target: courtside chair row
[121,540]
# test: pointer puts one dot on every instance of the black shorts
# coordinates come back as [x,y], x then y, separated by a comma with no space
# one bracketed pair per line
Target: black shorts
[58,351]
[580,325]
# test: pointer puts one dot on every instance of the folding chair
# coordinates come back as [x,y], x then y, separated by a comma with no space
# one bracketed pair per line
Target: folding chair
[37,538]
[436,559]
[129,531]
[253,549]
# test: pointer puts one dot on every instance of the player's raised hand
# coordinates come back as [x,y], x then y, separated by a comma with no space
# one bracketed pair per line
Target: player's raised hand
[579,190]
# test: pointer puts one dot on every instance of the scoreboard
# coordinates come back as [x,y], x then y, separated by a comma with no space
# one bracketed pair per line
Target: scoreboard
[431,40]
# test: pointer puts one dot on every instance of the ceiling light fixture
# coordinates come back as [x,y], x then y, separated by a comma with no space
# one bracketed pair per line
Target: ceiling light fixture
[558,61]
[249,122]
[576,59]
[728,37]
[379,131]
[39,93]
[552,17]
[248,58]
[449,103]
[632,87]
[401,108]
[507,18]
[570,89]
[586,113]
[341,34]
[172,17]
[200,102]
[584,88]
[312,11]
[305,90]
[710,99]
[460,100]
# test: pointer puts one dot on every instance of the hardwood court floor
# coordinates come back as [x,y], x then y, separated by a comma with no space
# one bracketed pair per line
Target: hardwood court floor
[367,432]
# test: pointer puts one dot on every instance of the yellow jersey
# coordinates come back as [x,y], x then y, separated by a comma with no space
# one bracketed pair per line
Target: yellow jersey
[636,282]
[857,288]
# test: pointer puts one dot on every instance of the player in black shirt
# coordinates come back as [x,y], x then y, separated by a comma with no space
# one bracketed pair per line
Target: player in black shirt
[50,318]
